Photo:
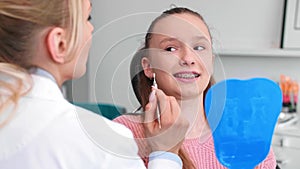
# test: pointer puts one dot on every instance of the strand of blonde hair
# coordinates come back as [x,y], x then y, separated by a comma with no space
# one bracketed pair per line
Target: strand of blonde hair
[15,83]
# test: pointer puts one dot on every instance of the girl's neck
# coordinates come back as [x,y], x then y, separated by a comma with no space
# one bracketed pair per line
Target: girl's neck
[194,111]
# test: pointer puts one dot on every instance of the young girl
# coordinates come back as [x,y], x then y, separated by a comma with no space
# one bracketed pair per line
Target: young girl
[178,50]
[43,43]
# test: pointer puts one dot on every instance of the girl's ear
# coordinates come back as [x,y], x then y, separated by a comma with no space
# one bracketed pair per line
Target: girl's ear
[147,67]
[56,44]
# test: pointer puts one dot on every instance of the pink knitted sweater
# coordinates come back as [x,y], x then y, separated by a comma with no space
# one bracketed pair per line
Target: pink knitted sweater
[200,152]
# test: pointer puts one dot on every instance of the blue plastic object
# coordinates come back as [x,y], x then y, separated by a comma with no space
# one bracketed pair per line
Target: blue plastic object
[242,115]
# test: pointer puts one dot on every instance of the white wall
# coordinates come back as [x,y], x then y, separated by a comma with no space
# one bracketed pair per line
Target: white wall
[235,24]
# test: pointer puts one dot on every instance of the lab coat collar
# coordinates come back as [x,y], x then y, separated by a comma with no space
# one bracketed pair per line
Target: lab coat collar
[45,88]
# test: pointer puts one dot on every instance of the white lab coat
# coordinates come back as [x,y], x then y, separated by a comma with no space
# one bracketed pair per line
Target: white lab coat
[47,132]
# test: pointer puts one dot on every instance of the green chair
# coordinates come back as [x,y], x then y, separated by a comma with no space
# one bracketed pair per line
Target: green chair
[109,111]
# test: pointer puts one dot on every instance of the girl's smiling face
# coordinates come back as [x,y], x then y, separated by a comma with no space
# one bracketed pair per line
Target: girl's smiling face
[180,53]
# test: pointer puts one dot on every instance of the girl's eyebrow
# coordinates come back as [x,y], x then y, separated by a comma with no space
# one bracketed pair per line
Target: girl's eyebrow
[168,40]
[201,38]
[195,39]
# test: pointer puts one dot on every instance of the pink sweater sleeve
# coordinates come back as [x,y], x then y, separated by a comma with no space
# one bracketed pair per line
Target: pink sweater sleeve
[134,123]
[202,154]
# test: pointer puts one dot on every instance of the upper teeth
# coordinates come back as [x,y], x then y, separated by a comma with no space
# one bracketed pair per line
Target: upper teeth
[186,75]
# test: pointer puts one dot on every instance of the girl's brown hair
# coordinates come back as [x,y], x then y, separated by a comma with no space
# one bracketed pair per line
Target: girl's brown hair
[142,84]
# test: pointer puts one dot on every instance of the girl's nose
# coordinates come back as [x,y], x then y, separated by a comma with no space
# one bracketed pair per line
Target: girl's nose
[187,57]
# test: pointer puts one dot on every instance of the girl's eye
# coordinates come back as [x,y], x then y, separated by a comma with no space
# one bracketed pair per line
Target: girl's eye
[170,49]
[89,18]
[199,48]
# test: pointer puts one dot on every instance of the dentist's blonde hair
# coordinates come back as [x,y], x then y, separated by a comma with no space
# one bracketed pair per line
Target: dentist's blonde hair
[20,22]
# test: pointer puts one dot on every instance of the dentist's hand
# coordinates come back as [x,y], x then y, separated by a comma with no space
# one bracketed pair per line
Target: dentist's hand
[173,125]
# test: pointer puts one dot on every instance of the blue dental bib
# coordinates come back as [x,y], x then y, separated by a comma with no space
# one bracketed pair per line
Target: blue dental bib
[242,115]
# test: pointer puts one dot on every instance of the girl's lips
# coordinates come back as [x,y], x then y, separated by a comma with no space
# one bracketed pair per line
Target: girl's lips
[187,76]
